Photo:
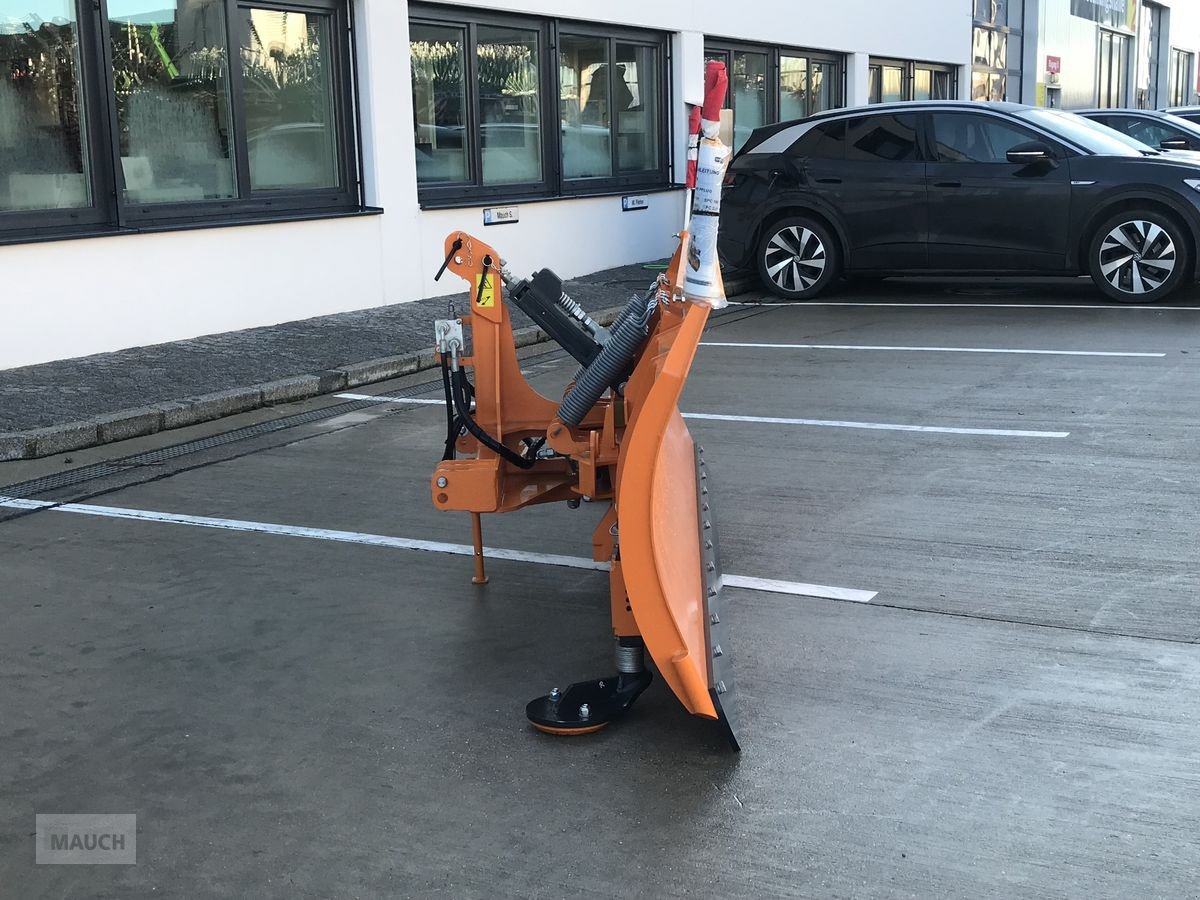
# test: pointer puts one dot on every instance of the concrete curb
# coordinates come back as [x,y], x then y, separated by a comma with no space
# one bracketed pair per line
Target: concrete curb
[146,420]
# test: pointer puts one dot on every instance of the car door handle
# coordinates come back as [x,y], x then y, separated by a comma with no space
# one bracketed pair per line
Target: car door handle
[948,184]
[828,180]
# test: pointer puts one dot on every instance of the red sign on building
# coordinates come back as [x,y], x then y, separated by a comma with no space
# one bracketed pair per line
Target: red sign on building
[1054,64]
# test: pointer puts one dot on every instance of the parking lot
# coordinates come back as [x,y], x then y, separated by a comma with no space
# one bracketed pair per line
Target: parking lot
[242,642]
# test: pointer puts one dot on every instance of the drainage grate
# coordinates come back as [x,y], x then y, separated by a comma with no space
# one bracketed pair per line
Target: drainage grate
[28,489]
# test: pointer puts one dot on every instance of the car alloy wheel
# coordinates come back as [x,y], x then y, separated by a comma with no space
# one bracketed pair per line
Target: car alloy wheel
[795,258]
[1137,257]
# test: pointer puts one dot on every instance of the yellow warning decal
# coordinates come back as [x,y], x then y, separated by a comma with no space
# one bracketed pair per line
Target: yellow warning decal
[486,295]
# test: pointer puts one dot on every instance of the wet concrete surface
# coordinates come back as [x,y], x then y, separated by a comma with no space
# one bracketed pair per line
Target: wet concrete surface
[1014,715]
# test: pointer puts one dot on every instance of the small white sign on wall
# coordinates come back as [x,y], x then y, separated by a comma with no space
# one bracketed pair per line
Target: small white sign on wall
[501,215]
[629,204]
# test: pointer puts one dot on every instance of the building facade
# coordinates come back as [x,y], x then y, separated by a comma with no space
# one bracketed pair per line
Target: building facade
[172,168]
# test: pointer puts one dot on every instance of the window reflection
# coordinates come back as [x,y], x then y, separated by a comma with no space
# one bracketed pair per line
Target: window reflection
[170,74]
[509,108]
[793,87]
[288,84]
[439,103]
[42,139]
[637,108]
[585,106]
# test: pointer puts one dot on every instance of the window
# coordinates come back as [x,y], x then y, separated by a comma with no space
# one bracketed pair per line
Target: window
[996,42]
[1180,80]
[747,90]
[1112,70]
[978,139]
[892,81]
[882,138]
[209,110]
[1148,131]
[45,138]
[1149,40]
[825,141]
[497,114]
[774,84]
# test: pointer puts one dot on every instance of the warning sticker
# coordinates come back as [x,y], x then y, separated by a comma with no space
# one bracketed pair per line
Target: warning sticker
[485,295]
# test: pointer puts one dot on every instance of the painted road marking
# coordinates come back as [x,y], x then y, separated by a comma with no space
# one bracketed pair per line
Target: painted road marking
[799,589]
[878,426]
[418,400]
[774,420]
[929,349]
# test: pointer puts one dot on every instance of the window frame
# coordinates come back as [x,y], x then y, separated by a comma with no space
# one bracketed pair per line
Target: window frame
[1180,81]
[553,183]
[100,212]
[112,213]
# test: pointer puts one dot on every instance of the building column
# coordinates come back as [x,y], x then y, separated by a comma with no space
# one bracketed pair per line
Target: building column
[858,79]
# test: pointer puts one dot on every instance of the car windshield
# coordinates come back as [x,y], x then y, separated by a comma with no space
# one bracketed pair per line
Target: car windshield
[1091,136]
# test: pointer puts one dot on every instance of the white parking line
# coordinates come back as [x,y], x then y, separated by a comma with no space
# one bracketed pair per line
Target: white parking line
[800,589]
[929,349]
[417,400]
[879,426]
[775,420]
[811,303]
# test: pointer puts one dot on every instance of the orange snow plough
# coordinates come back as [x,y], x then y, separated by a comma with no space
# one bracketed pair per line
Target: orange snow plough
[616,436]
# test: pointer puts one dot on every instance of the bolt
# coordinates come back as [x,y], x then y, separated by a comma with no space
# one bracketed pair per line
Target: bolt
[584,711]
[714,619]
[703,490]
[555,693]
[706,507]
[712,592]
[712,567]
[708,545]
[721,687]
[707,524]
[717,651]
[442,482]
[703,476]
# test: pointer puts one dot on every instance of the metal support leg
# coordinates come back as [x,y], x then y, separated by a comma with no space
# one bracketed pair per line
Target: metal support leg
[480,576]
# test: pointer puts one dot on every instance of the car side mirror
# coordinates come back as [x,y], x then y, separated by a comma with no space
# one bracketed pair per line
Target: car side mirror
[1029,153]
[1175,144]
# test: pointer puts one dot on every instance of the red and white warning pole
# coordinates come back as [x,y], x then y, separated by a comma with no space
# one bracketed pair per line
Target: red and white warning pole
[702,272]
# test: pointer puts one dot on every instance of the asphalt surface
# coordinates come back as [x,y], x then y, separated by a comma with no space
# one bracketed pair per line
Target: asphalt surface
[1016,713]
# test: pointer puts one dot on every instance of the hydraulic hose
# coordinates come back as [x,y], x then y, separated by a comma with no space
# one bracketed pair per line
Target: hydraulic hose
[462,407]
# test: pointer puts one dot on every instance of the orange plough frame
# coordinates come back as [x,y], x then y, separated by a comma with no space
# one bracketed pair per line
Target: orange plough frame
[633,450]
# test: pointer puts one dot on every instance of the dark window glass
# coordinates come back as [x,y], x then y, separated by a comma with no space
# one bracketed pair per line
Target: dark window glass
[440,102]
[510,119]
[981,139]
[882,138]
[637,108]
[585,106]
[827,141]
[1148,131]
[43,140]
[287,74]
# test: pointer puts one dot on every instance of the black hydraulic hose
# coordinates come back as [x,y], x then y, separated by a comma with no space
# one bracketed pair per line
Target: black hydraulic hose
[464,413]
[453,422]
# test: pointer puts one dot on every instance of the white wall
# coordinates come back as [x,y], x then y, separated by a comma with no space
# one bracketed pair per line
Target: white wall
[71,298]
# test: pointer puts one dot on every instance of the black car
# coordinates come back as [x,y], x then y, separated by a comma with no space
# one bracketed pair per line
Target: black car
[1157,129]
[1191,113]
[953,187]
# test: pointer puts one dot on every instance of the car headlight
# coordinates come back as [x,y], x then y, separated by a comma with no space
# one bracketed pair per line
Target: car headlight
[1193,183]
